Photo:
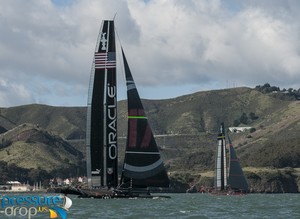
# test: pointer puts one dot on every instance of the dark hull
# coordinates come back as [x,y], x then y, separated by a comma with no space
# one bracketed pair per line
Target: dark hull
[227,192]
[104,193]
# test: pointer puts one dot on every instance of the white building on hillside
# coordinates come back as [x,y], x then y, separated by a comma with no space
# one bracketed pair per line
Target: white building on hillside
[239,129]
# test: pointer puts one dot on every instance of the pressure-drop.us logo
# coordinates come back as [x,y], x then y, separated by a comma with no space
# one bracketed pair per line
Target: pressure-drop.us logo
[29,206]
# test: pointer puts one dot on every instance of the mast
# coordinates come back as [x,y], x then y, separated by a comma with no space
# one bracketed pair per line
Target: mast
[220,166]
[101,136]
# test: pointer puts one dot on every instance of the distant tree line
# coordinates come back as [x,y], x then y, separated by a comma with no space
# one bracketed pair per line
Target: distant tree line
[267,88]
[245,119]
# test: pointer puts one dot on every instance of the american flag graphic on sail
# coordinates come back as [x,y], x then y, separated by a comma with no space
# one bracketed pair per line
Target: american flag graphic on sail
[105,60]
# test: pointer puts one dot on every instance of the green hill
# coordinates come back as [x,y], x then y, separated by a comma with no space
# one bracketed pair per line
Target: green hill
[29,146]
[185,127]
[67,122]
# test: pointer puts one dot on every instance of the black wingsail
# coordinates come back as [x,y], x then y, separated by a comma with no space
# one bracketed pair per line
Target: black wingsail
[143,166]
[220,163]
[102,112]
[236,177]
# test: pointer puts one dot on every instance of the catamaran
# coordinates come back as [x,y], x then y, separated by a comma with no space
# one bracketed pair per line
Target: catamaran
[231,183]
[143,166]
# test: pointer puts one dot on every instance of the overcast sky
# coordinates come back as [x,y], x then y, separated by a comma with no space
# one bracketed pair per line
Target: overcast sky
[174,47]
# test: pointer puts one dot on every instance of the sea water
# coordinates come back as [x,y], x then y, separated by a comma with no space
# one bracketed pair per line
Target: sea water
[186,206]
[191,206]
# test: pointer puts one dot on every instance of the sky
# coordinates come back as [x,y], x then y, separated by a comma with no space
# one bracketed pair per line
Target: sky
[174,47]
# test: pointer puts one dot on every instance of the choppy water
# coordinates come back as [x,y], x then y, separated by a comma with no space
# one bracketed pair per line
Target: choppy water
[187,206]
[191,206]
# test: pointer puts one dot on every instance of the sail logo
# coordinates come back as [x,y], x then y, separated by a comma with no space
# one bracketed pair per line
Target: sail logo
[29,206]
[110,170]
[103,41]
[112,124]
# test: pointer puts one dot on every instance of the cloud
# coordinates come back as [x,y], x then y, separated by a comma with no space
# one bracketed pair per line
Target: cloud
[14,94]
[202,41]
[173,47]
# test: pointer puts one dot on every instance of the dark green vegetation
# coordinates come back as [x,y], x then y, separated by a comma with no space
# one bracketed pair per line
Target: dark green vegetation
[51,141]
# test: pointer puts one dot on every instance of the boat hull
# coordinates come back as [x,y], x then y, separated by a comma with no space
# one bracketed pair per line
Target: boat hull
[227,192]
[105,193]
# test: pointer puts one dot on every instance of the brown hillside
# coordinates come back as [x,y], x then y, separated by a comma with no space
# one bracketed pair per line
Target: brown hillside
[185,128]
[67,122]
[29,146]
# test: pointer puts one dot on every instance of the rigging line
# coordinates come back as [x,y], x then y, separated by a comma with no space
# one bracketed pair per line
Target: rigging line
[120,69]
[92,74]
[117,34]
[120,57]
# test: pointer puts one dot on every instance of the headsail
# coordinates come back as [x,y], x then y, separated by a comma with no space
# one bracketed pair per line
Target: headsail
[143,166]
[101,137]
[220,166]
[236,178]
